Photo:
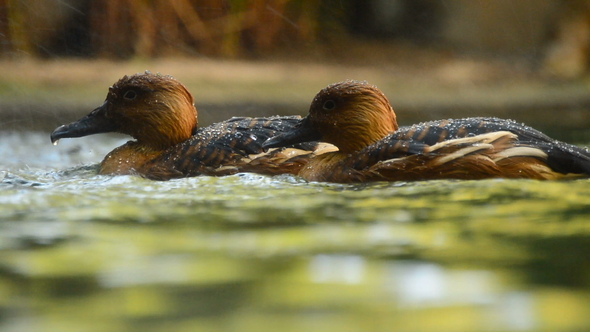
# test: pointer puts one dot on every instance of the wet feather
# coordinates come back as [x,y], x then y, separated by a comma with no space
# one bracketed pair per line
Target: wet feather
[357,118]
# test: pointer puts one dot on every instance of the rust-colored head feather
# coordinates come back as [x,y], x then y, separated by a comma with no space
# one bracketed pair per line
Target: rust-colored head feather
[156,110]
[352,115]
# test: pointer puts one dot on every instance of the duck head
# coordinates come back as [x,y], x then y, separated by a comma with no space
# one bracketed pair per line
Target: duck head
[154,109]
[349,114]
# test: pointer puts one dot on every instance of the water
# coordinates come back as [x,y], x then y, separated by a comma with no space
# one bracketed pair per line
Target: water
[82,252]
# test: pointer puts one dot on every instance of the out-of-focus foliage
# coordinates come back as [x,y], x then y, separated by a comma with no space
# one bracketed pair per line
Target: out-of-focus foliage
[146,28]
[554,34]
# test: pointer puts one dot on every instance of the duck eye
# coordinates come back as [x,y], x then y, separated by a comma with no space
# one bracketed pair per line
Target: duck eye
[329,105]
[130,95]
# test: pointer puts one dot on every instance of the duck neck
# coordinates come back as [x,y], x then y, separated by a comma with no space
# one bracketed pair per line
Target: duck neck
[363,129]
[176,123]
[163,136]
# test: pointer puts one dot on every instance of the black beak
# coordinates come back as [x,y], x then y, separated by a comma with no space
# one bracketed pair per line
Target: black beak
[94,123]
[302,132]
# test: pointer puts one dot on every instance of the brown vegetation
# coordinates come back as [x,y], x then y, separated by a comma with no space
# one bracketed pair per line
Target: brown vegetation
[147,28]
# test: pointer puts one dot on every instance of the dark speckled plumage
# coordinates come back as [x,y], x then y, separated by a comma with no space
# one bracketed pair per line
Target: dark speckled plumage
[158,112]
[358,119]
[226,143]
[562,157]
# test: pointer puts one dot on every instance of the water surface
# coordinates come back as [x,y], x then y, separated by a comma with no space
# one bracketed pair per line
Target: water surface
[83,252]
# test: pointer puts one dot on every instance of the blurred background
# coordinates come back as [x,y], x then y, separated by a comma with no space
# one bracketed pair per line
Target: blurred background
[526,60]
[255,29]
[82,252]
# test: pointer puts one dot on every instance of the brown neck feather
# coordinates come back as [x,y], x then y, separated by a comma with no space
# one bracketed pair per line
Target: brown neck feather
[366,121]
[171,120]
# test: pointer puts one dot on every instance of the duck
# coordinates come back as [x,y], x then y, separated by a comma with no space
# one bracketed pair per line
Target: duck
[358,119]
[159,113]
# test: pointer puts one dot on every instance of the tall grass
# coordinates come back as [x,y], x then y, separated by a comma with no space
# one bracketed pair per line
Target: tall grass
[149,28]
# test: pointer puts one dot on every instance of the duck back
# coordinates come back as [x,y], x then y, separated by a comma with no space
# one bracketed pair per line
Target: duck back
[560,157]
[229,147]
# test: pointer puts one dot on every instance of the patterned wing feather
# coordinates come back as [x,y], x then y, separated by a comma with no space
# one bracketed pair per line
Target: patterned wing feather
[561,157]
[224,148]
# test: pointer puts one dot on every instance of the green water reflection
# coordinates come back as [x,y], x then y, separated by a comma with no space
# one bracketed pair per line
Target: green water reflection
[82,252]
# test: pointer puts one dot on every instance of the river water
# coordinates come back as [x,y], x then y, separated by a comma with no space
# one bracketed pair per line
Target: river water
[82,252]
